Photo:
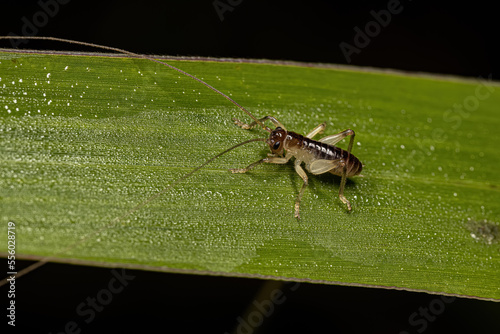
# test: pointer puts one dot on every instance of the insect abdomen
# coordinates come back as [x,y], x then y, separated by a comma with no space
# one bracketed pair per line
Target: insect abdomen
[354,166]
[309,150]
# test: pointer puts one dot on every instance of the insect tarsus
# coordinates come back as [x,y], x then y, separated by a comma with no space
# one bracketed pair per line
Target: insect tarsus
[319,156]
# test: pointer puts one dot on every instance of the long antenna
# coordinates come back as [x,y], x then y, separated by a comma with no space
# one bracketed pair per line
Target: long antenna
[46,259]
[138,55]
[151,198]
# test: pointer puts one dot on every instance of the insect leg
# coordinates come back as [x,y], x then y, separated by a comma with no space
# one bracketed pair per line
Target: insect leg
[303,175]
[344,172]
[269,159]
[316,130]
[262,120]
[334,139]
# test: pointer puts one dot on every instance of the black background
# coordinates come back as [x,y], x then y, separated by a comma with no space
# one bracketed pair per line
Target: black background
[48,298]
[446,37]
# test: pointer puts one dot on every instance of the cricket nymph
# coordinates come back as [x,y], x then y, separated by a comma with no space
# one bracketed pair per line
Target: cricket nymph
[319,156]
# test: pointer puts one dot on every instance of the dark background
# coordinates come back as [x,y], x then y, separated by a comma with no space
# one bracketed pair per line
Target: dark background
[446,37]
[48,298]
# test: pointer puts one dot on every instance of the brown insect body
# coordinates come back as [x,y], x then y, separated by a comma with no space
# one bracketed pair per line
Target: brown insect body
[309,151]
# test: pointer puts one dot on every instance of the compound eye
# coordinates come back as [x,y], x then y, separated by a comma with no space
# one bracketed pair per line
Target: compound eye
[276,145]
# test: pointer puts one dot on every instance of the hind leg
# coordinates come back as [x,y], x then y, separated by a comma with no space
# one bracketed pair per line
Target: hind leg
[344,172]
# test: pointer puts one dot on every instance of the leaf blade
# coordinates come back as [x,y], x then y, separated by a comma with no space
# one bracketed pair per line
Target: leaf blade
[132,128]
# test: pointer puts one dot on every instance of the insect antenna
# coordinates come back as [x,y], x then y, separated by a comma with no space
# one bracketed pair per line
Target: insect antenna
[117,219]
[185,176]
[138,55]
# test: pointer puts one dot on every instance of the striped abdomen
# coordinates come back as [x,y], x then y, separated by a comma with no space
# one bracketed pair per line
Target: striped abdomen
[309,150]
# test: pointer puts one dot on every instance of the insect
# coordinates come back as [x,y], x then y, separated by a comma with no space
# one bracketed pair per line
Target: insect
[319,156]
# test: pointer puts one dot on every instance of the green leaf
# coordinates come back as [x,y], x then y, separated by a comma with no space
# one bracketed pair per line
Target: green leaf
[86,139]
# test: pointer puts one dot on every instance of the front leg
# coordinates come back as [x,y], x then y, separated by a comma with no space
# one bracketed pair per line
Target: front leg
[303,175]
[269,159]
